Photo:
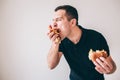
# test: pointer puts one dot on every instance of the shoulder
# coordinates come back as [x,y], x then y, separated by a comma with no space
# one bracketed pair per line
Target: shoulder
[90,31]
[93,33]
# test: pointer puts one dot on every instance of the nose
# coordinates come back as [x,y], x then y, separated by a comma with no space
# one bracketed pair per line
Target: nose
[55,25]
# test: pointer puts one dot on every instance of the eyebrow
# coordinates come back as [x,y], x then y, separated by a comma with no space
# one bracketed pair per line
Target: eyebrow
[58,18]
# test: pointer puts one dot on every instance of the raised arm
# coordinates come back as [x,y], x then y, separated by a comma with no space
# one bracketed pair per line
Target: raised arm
[54,55]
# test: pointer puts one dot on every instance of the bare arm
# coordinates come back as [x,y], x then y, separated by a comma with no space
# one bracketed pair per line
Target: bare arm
[54,56]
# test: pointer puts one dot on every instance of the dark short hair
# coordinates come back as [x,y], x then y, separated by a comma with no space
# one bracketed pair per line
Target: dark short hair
[70,11]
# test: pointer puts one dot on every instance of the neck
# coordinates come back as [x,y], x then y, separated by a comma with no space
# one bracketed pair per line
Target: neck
[75,35]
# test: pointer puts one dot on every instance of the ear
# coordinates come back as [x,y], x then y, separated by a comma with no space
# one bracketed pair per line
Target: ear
[73,22]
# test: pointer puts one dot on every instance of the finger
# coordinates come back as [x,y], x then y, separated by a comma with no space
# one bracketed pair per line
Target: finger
[107,65]
[54,37]
[103,65]
[100,62]
[106,62]
[51,35]
[49,27]
[98,69]
[99,66]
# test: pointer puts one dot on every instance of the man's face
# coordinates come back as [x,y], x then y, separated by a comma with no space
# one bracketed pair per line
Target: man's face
[61,22]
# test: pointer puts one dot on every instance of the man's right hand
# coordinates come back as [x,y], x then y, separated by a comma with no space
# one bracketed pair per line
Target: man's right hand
[52,35]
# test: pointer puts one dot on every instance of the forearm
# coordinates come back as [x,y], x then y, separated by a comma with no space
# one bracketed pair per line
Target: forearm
[53,56]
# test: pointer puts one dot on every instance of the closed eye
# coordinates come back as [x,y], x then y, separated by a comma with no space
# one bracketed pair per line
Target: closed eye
[58,19]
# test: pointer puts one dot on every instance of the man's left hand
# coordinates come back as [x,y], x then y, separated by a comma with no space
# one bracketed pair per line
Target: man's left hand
[103,66]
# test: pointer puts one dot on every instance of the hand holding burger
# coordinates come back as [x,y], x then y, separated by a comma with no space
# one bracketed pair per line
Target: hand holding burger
[55,31]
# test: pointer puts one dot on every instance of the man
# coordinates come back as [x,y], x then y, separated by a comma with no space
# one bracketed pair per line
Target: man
[75,44]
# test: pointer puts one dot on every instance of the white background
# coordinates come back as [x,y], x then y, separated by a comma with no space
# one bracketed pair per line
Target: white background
[24,43]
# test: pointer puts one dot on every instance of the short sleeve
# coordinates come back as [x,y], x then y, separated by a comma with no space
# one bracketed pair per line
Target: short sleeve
[61,48]
[104,44]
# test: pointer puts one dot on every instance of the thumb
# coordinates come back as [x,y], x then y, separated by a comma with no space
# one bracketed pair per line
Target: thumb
[49,27]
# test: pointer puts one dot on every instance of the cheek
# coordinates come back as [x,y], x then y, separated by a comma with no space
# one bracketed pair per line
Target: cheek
[65,30]
[64,27]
